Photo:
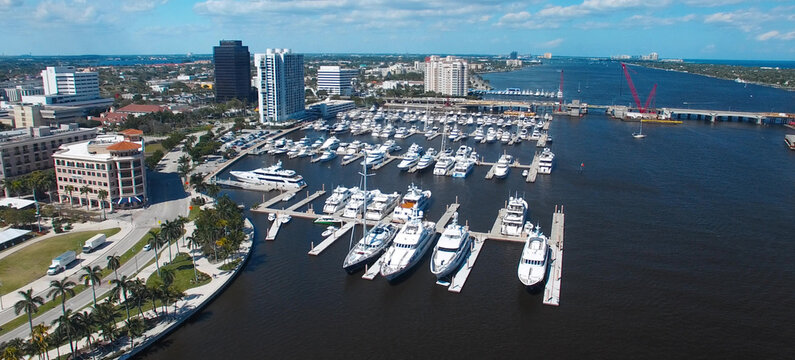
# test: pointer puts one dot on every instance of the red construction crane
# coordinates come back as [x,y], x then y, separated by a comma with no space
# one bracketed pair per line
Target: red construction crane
[560,92]
[653,92]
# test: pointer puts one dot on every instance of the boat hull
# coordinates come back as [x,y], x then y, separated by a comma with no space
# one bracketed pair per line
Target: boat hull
[398,274]
[453,266]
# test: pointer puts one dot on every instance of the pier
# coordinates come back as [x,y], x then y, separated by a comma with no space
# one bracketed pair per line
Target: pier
[357,157]
[451,209]
[542,142]
[277,198]
[308,199]
[371,272]
[316,250]
[389,159]
[460,278]
[274,229]
[533,172]
[552,288]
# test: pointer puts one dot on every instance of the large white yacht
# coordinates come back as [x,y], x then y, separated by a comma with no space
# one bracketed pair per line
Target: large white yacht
[535,258]
[451,249]
[503,167]
[545,161]
[373,158]
[369,247]
[427,160]
[337,200]
[443,165]
[359,200]
[411,158]
[408,248]
[513,221]
[415,199]
[273,175]
[381,205]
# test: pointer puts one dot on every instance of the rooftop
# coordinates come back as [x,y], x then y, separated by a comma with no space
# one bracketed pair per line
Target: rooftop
[124,146]
[138,108]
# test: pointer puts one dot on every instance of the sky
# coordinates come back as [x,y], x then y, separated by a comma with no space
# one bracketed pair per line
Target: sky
[691,29]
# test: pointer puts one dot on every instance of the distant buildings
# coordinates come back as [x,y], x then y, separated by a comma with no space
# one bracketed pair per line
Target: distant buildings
[547,55]
[330,108]
[64,85]
[232,71]
[448,76]
[651,57]
[114,163]
[336,80]
[280,80]
[16,93]
[25,150]
[513,62]
[513,55]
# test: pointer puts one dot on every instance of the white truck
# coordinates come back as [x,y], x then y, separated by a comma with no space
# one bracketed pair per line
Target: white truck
[59,263]
[94,242]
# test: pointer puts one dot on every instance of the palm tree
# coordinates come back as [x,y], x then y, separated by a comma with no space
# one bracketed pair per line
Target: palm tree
[40,339]
[120,287]
[63,289]
[105,315]
[69,189]
[213,190]
[135,328]
[65,322]
[171,230]
[193,242]
[84,190]
[175,295]
[102,195]
[93,276]
[114,263]
[154,240]
[11,352]
[29,304]
[154,294]
[167,275]
[140,294]
[84,325]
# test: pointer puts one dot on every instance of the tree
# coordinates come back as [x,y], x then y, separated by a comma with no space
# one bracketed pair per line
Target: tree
[84,190]
[102,195]
[66,324]
[69,189]
[120,287]
[63,288]
[139,293]
[154,242]
[114,263]
[29,304]
[40,339]
[84,324]
[105,316]
[135,328]
[167,276]
[92,276]
[193,243]
[11,353]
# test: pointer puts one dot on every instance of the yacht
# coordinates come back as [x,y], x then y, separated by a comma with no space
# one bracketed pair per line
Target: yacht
[359,200]
[479,135]
[451,250]
[331,143]
[463,167]
[401,133]
[535,257]
[327,155]
[444,165]
[370,247]
[337,200]
[535,135]
[503,167]
[381,206]
[273,175]
[410,245]
[388,132]
[545,161]
[415,199]
[427,160]
[409,159]
[515,213]
[373,158]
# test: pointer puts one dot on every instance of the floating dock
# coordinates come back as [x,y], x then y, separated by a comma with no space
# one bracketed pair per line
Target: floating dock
[460,278]
[533,172]
[542,142]
[388,160]
[357,157]
[274,229]
[316,250]
[552,288]
[277,199]
[308,199]
[442,223]
[374,269]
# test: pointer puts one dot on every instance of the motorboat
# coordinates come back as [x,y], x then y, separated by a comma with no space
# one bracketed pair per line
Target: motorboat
[415,199]
[329,230]
[382,205]
[274,176]
[331,143]
[533,263]
[506,137]
[515,214]
[444,165]
[369,247]
[427,159]
[503,167]
[410,245]
[451,249]
[410,159]
[327,155]
[373,158]
[463,167]
[545,161]
[336,202]
[327,220]
[359,200]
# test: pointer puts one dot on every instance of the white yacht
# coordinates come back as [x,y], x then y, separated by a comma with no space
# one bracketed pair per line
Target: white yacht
[337,200]
[535,257]
[401,133]
[451,250]
[273,175]
[327,155]
[427,159]
[506,137]
[415,199]
[373,158]
[444,165]
[411,158]
[503,167]
[408,248]
[331,143]
[479,134]
[370,247]
[515,213]
[535,135]
[382,205]
[359,200]
[545,161]
[463,167]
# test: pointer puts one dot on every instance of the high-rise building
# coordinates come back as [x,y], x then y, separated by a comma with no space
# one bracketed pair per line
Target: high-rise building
[514,55]
[280,82]
[336,80]
[448,76]
[64,85]
[232,71]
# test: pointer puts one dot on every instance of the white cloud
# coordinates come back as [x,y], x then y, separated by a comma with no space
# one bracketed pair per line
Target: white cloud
[552,43]
[140,5]
[9,3]
[66,12]
[648,21]
[711,3]
[776,35]
[746,20]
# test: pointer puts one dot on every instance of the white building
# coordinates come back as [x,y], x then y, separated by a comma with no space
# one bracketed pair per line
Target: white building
[448,76]
[513,62]
[64,85]
[336,80]
[280,84]
[16,93]
[330,108]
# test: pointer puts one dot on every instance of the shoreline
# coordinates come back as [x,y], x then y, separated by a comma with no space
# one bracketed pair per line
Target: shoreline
[774,86]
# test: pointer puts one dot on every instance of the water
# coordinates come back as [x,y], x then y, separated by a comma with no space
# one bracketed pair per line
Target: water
[603,83]
[677,246]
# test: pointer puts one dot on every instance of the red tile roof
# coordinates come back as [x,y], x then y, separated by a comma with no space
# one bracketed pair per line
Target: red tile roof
[130,132]
[124,146]
[136,108]
[113,117]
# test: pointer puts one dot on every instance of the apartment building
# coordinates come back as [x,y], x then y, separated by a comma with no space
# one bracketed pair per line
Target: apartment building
[26,150]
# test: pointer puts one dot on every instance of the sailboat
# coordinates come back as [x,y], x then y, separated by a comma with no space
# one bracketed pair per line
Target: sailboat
[639,134]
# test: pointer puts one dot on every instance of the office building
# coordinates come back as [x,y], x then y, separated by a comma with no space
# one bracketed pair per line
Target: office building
[232,71]
[64,85]
[336,80]
[514,55]
[280,82]
[513,62]
[330,108]
[114,163]
[27,150]
[447,76]
[16,93]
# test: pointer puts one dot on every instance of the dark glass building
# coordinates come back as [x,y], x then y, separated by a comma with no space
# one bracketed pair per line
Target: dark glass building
[232,71]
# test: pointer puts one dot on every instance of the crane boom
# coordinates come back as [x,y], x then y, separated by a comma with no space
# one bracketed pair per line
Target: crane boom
[635,96]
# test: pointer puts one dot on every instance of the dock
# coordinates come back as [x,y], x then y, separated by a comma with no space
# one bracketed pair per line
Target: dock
[533,172]
[316,250]
[251,150]
[552,288]
[308,199]
[459,279]
[357,157]
[374,269]
[542,142]
[546,125]
[435,135]
[388,160]
[277,223]
[277,199]
[451,209]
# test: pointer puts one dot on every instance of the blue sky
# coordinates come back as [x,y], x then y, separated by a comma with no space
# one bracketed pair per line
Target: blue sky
[702,29]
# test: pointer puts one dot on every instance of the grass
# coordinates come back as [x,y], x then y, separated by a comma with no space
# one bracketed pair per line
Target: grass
[194,212]
[152,147]
[30,263]
[23,318]
[183,274]
[230,265]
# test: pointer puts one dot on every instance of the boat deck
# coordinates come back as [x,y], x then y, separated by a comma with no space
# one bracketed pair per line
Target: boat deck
[552,288]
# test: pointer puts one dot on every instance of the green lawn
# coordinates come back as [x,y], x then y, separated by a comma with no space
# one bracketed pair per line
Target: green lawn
[30,263]
[194,212]
[48,305]
[183,271]
[152,147]
[129,253]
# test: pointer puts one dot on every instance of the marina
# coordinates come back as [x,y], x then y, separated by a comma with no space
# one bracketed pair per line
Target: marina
[555,276]
[317,249]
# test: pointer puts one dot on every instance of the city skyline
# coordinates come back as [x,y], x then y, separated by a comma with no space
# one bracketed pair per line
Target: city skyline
[695,29]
